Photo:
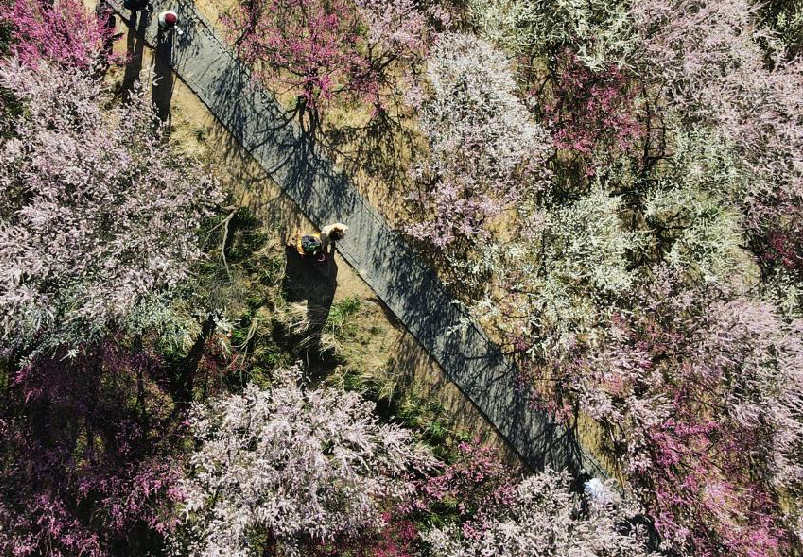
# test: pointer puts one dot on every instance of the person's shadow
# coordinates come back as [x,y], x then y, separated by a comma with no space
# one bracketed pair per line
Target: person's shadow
[162,90]
[308,280]
[135,47]
[163,80]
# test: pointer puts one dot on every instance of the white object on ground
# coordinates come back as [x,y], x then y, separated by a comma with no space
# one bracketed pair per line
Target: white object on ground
[598,491]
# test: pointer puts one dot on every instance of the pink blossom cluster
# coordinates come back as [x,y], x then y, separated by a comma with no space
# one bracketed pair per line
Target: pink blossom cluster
[667,340]
[475,486]
[588,107]
[60,32]
[85,465]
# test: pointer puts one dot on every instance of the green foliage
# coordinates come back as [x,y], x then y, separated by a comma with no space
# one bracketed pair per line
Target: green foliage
[253,268]
[600,30]
[584,264]
[5,38]
[169,320]
[786,18]
[248,294]
[238,295]
[702,159]
[590,230]
[424,414]
[340,321]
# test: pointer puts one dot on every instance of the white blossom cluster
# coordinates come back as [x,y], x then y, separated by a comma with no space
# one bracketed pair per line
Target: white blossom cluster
[600,30]
[95,213]
[290,465]
[547,519]
[485,149]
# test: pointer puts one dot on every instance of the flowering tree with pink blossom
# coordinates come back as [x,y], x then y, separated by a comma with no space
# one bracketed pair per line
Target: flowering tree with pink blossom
[291,466]
[469,490]
[60,32]
[97,214]
[322,50]
[86,464]
[697,389]
[637,294]
[577,59]
[573,281]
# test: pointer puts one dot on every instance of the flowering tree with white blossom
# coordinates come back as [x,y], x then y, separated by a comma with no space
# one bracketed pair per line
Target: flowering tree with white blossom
[485,151]
[95,213]
[280,468]
[543,517]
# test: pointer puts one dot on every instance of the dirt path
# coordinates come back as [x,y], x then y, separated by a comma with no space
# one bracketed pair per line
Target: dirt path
[408,287]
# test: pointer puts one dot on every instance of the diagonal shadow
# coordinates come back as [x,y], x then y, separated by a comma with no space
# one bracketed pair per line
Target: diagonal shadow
[383,259]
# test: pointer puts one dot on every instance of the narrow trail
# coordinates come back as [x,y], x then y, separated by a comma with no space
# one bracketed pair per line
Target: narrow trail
[408,287]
